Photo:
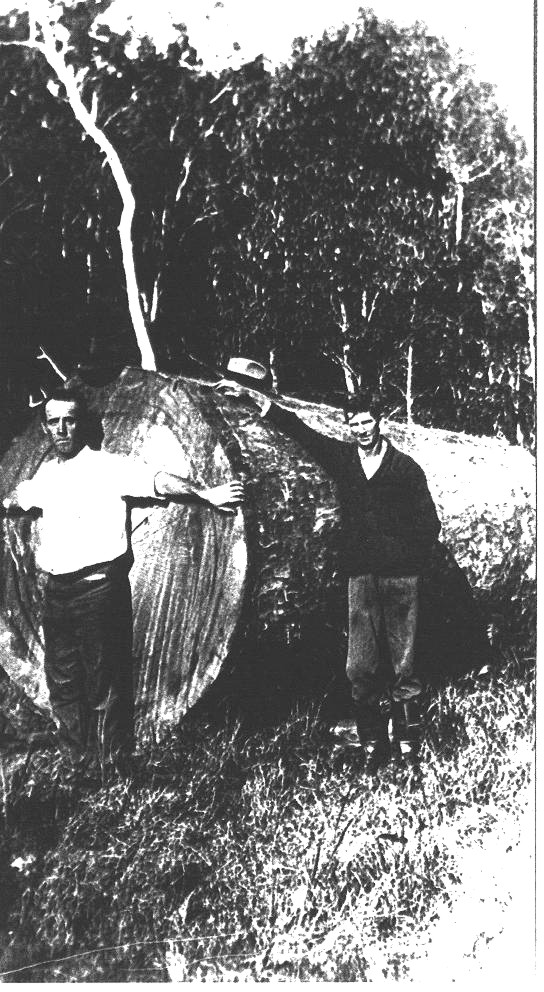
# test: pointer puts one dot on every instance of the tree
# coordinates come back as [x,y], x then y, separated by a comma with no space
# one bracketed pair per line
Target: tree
[49,35]
[340,166]
[162,116]
[491,184]
[362,209]
[368,164]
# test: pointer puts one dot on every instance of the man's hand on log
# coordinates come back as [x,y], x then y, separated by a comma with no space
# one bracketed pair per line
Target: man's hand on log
[9,507]
[224,497]
[229,387]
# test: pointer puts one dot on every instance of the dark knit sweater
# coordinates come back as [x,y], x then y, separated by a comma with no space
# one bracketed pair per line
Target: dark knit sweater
[389,522]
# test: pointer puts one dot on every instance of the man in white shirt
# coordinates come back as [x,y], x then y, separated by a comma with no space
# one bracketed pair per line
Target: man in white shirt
[84,551]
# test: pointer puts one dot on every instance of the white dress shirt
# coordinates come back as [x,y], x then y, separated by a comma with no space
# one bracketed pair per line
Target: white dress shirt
[84,514]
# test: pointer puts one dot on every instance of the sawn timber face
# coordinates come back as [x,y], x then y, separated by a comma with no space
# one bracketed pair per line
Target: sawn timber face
[189,566]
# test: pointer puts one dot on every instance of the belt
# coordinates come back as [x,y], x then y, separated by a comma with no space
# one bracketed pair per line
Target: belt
[100,570]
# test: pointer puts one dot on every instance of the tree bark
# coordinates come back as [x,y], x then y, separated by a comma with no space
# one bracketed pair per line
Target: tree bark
[202,582]
[261,592]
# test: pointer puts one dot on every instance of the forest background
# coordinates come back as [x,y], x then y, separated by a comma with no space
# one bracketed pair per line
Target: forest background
[362,212]
[365,206]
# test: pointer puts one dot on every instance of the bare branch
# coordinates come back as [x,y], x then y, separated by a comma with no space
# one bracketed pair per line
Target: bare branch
[226,89]
[212,213]
[173,129]
[32,402]
[8,177]
[187,163]
[21,44]
[20,208]
[120,110]
[486,172]
[373,306]
[43,354]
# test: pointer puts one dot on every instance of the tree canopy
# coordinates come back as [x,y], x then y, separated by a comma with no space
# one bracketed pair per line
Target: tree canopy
[363,213]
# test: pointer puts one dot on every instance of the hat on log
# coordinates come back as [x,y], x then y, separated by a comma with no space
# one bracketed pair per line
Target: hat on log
[250,373]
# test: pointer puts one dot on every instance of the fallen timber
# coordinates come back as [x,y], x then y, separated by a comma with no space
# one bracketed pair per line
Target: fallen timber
[260,591]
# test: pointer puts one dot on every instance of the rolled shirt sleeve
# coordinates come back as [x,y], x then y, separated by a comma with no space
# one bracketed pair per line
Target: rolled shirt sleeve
[27,494]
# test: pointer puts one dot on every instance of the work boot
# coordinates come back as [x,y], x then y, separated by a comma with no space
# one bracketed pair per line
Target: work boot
[377,754]
[372,724]
[407,732]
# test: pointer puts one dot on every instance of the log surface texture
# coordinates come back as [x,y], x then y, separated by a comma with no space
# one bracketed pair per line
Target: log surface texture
[210,589]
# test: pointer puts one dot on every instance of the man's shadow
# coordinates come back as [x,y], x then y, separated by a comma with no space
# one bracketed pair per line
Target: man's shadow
[94,431]
[452,637]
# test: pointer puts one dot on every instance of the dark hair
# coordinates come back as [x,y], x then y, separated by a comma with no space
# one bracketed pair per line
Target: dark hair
[361,403]
[68,395]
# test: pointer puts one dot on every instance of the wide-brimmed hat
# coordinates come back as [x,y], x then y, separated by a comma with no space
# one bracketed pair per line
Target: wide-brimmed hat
[248,372]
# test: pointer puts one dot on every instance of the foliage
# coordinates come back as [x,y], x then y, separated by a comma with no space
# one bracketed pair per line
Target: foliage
[345,196]
[365,203]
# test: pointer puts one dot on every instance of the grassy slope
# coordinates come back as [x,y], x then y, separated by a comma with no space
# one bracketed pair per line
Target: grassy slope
[275,858]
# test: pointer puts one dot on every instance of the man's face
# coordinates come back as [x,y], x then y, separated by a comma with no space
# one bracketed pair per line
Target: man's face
[365,429]
[63,425]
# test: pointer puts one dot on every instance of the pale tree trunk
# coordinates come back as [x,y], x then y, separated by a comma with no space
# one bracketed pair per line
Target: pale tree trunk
[463,178]
[459,204]
[154,308]
[87,119]
[349,375]
[273,365]
[409,394]
[517,396]
[88,292]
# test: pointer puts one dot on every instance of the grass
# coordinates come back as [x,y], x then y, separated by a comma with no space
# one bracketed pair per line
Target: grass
[266,858]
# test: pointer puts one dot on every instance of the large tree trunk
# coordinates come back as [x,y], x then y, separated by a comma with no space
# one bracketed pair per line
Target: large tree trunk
[202,581]
[261,589]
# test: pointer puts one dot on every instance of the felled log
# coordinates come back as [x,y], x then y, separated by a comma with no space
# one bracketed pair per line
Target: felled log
[263,587]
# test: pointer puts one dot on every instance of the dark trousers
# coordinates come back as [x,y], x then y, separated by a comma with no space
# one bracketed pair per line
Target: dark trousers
[88,657]
[383,614]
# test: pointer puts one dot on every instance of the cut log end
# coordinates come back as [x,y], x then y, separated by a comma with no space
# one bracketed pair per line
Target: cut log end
[190,561]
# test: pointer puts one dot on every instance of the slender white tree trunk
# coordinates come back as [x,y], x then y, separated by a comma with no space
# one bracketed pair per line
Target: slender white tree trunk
[273,364]
[409,393]
[89,263]
[459,205]
[87,119]
[517,395]
[349,375]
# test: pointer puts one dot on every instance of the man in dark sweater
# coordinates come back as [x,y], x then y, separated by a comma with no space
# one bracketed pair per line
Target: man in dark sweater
[388,527]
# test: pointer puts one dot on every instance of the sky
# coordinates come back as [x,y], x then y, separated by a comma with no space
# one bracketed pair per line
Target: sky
[496,36]
[499,44]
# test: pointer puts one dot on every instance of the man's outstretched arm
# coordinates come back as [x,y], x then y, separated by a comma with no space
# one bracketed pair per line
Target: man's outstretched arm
[328,451]
[19,501]
[225,497]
